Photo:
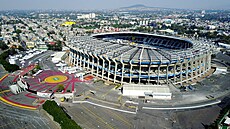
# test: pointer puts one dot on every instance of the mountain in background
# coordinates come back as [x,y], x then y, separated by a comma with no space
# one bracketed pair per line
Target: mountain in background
[141,7]
[135,6]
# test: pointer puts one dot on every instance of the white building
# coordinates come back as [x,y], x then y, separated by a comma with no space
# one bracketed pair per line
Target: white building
[149,92]
[58,57]
[19,87]
[86,16]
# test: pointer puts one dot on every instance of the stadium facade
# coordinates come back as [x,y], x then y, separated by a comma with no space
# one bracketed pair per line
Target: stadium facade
[141,58]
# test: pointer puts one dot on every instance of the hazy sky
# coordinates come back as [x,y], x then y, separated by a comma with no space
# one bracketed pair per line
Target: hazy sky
[111,4]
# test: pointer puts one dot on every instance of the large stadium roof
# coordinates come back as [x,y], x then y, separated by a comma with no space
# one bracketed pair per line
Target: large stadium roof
[140,47]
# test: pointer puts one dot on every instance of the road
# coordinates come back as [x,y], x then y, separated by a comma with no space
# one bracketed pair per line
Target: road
[90,117]
[15,118]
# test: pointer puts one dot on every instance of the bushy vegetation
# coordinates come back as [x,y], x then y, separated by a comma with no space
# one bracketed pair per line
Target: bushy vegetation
[56,47]
[36,69]
[223,112]
[3,46]
[60,87]
[59,115]
[9,67]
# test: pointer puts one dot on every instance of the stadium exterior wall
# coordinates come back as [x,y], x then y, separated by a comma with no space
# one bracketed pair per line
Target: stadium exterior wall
[183,70]
[156,72]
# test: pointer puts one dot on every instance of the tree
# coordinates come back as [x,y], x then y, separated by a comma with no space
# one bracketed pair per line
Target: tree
[60,87]
[38,67]
[59,115]
[18,31]
[31,29]
[3,46]
[56,47]
[9,67]
[48,34]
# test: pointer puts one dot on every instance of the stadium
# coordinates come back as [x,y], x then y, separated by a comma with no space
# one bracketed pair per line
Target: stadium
[141,58]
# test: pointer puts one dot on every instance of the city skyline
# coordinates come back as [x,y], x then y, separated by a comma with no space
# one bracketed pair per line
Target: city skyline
[110,4]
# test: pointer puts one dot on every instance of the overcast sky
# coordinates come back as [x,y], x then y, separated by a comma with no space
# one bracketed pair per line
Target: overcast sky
[111,4]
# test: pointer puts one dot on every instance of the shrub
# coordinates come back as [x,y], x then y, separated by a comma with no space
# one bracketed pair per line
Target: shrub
[38,67]
[59,115]
[60,87]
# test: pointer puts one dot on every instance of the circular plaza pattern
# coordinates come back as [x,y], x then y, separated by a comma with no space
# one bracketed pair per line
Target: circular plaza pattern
[56,79]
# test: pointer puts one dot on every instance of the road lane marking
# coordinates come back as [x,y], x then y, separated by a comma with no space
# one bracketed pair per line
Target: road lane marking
[1,79]
[17,105]
[122,119]
[105,106]
[106,123]
[4,91]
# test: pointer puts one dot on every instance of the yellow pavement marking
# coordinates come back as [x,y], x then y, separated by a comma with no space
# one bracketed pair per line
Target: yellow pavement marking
[119,98]
[132,107]
[4,76]
[106,123]
[56,79]
[122,119]
[107,92]
[35,101]
[17,105]
[4,91]
[81,119]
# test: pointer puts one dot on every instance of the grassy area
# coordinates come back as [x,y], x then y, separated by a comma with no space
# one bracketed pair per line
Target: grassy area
[59,115]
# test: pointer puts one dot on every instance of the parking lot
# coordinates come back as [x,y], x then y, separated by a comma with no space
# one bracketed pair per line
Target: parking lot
[91,117]
[15,118]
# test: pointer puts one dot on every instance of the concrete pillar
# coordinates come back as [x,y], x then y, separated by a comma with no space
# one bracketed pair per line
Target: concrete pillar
[149,73]
[88,61]
[192,67]
[167,74]
[158,74]
[97,65]
[181,78]
[109,68]
[103,66]
[93,63]
[200,67]
[186,65]
[174,71]
[80,54]
[70,57]
[115,71]
[139,78]
[203,68]
[196,66]
[84,63]
[77,58]
[130,72]
[122,72]
[74,58]
[209,61]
